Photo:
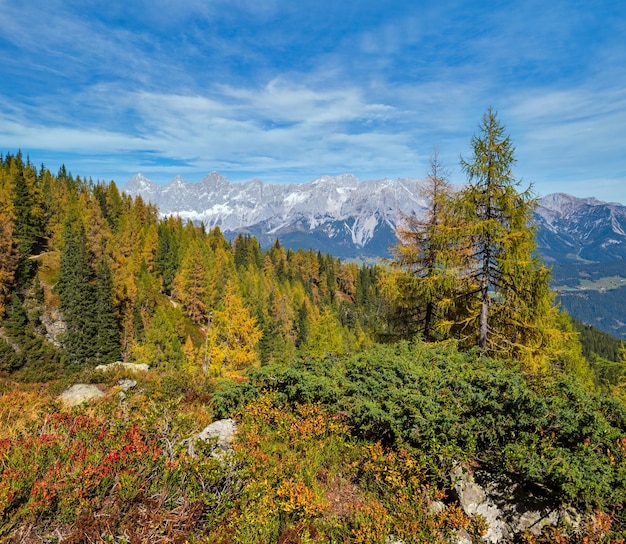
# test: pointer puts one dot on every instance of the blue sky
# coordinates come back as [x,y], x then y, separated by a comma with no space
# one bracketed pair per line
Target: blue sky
[287,91]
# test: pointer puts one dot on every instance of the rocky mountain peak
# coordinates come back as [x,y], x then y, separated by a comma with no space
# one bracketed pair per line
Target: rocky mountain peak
[214,180]
[342,181]
[138,184]
[178,181]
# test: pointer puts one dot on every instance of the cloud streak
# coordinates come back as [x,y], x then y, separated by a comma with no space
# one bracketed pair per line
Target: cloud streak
[286,94]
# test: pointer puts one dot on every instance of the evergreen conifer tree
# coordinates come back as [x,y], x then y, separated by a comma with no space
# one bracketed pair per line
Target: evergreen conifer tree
[16,332]
[168,253]
[107,340]
[29,353]
[16,321]
[8,254]
[508,307]
[26,228]
[76,288]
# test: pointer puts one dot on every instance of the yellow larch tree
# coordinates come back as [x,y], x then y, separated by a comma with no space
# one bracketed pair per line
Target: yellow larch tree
[233,336]
[8,250]
[191,284]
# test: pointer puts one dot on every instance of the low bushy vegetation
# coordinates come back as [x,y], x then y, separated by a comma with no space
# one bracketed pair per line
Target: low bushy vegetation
[548,434]
[350,449]
[120,468]
[306,479]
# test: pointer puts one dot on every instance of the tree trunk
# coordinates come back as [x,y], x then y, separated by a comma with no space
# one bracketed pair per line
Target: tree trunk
[484,300]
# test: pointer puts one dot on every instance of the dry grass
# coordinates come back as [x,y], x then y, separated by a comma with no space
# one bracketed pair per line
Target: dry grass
[21,407]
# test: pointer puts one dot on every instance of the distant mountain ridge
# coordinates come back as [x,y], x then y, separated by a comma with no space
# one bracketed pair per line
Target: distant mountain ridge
[351,219]
[336,214]
[580,229]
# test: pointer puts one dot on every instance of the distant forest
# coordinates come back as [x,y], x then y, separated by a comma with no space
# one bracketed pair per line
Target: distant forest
[597,308]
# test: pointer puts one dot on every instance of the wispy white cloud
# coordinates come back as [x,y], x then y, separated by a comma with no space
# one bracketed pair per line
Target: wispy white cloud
[293,126]
[284,101]
[573,134]
[34,136]
[278,89]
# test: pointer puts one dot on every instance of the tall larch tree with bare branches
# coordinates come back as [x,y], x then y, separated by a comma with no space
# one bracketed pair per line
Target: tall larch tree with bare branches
[510,308]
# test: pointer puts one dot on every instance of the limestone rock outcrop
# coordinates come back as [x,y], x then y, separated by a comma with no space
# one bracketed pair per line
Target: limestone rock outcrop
[508,509]
[221,432]
[80,393]
[133,367]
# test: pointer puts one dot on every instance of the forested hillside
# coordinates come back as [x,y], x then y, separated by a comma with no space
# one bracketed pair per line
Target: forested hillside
[363,395]
[131,287]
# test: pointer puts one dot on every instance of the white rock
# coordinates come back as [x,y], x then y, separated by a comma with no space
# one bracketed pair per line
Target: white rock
[474,500]
[133,367]
[127,384]
[224,430]
[79,393]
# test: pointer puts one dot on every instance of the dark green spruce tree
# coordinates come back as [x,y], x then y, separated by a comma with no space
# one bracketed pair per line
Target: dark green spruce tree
[27,227]
[24,352]
[15,326]
[107,339]
[168,255]
[77,292]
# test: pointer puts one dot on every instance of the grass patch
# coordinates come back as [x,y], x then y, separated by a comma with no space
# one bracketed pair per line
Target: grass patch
[602,284]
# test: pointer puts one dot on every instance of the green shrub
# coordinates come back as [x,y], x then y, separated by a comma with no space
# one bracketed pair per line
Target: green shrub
[548,433]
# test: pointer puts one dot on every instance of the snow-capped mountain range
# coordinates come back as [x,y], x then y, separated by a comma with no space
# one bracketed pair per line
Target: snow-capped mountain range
[337,214]
[348,218]
[580,229]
